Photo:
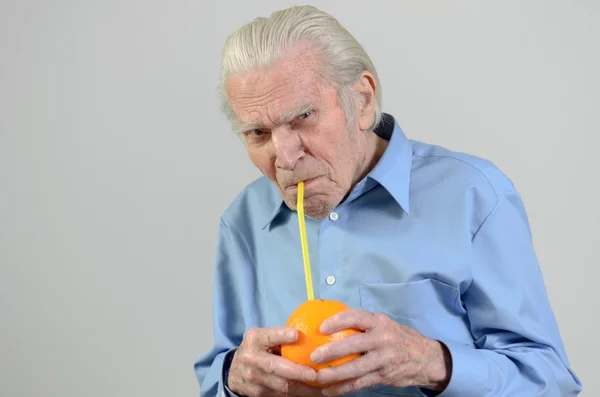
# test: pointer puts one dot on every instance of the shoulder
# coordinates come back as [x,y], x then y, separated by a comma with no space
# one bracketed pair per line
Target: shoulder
[251,208]
[444,182]
[460,169]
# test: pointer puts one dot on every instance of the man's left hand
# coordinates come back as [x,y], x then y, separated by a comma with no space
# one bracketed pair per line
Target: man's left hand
[393,354]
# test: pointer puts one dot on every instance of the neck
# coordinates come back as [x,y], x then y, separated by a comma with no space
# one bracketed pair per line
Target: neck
[374,149]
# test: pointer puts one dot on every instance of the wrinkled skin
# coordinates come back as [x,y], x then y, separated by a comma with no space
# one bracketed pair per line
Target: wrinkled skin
[295,130]
[314,144]
[258,369]
[395,355]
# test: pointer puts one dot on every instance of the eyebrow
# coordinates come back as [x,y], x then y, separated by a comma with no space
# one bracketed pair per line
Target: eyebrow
[285,118]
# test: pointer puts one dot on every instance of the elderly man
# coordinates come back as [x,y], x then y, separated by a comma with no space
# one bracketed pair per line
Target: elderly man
[431,249]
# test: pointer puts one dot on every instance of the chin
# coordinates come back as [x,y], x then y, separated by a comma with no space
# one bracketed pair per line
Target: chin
[315,205]
[317,209]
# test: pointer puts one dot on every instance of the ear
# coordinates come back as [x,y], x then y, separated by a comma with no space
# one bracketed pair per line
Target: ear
[366,89]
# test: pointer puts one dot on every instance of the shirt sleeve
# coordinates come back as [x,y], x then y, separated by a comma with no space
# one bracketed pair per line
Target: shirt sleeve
[517,348]
[233,293]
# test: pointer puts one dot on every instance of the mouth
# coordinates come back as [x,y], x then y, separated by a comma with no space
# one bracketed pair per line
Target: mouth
[307,182]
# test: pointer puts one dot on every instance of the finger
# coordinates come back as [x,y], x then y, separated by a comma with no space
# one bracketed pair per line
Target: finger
[355,369]
[303,390]
[254,385]
[278,386]
[354,318]
[286,369]
[352,344]
[265,338]
[352,385]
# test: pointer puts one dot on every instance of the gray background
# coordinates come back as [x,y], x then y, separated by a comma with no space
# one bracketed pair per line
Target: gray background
[115,165]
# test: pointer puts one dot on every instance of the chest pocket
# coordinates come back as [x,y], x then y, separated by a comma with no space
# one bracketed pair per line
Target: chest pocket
[413,300]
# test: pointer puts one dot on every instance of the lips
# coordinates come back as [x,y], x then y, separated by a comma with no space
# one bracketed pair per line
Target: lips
[306,182]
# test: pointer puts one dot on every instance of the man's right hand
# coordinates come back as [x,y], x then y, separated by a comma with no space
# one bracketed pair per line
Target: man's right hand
[257,368]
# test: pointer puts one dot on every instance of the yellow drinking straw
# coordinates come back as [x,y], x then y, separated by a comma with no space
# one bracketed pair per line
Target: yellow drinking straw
[304,242]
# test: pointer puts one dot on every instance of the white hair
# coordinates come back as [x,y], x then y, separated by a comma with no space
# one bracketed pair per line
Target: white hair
[262,42]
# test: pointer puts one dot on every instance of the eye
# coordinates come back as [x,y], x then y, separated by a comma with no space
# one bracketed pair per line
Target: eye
[256,135]
[304,116]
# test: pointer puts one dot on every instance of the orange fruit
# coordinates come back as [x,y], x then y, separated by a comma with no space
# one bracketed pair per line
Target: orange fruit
[306,319]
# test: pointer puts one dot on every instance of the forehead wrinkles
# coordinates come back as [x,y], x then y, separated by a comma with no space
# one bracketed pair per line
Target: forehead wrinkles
[267,94]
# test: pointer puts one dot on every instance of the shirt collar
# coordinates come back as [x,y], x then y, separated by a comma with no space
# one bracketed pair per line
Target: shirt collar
[392,171]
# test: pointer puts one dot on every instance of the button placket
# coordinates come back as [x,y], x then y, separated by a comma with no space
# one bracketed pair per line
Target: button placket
[331,252]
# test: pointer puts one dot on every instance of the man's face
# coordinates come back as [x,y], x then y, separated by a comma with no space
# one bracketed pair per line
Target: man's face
[295,130]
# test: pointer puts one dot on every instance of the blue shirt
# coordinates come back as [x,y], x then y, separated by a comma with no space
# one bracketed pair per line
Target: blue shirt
[435,239]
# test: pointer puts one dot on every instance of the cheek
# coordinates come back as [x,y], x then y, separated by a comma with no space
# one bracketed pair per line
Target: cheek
[335,150]
[263,161]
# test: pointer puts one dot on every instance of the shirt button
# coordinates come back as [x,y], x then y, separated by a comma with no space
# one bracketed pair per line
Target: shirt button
[330,280]
[334,216]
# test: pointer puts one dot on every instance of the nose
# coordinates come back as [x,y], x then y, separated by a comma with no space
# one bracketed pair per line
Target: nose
[288,148]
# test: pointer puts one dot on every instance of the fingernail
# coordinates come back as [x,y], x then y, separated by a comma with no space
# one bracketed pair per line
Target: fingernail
[309,375]
[316,357]
[290,334]
[321,376]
